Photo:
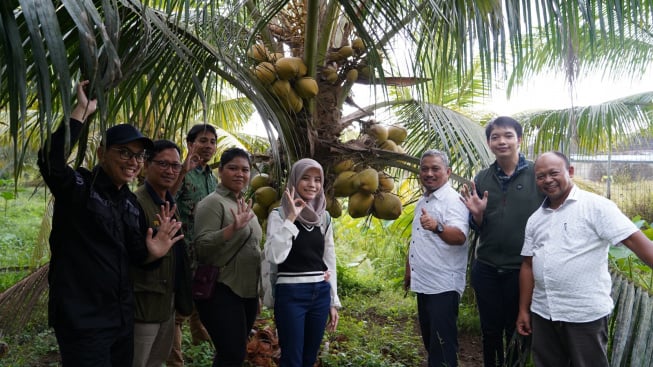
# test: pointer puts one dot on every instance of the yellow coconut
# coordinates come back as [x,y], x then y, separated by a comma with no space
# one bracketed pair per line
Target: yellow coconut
[386,182]
[386,206]
[260,212]
[281,89]
[367,180]
[265,196]
[352,76]
[306,87]
[333,207]
[364,71]
[276,56]
[360,204]
[294,102]
[397,133]
[260,180]
[290,67]
[344,185]
[346,165]
[258,52]
[389,145]
[265,72]
[358,45]
[345,52]
[378,132]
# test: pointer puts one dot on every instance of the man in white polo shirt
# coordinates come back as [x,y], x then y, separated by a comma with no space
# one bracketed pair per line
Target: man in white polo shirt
[437,259]
[564,280]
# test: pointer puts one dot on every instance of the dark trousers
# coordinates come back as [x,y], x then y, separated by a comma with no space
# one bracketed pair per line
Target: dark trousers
[228,318]
[300,313]
[438,314]
[562,344]
[497,298]
[108,347]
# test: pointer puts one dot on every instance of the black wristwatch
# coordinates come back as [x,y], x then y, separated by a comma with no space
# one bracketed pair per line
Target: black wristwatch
[439,228]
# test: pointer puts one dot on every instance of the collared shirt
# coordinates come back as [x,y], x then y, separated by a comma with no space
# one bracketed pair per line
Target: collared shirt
[435,266]
[569,246]
[242,251]
[198,183]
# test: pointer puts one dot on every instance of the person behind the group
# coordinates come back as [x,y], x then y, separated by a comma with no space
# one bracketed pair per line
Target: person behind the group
[565,283]
[195,182]
[437,259]
[228,235]
[96,234]
[166,287]
[300,241]
[500,200]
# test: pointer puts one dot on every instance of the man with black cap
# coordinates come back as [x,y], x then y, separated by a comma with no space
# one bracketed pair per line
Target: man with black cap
[96,233]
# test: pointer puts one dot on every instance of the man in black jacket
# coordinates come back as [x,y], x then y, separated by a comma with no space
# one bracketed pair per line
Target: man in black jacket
[96,234]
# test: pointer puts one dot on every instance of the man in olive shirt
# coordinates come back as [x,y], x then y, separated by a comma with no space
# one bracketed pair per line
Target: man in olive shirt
[195,182]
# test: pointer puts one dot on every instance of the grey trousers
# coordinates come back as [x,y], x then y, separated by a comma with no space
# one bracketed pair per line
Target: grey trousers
[562,344]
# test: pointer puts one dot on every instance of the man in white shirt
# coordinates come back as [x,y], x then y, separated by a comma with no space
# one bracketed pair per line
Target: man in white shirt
[564,280]
[437,259]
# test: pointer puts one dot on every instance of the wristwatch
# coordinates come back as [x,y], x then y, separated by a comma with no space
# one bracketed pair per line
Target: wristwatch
[439,228]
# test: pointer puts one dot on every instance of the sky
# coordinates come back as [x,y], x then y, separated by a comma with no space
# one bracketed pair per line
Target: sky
[552,92]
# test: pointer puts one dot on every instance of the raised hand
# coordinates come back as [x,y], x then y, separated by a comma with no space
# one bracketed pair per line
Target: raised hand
[475,204]
[192,159]
[84,106]
[297,206]
[243,213]
[159,245]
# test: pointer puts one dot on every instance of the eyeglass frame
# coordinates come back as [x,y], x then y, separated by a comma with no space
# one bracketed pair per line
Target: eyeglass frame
[164,165]
[126,154]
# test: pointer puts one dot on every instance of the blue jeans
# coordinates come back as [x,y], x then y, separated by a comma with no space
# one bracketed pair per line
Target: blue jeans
[497,298]
[300,313]
[438,314]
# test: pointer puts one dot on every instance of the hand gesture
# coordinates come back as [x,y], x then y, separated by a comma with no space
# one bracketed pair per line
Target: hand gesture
[84,106]
[297,204]
[243,213]
[165,237]
[472,201]
[192,159]
[427,222]
[333,319]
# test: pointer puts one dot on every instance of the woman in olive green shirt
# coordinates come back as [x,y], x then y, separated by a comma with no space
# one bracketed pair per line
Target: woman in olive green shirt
[227,235]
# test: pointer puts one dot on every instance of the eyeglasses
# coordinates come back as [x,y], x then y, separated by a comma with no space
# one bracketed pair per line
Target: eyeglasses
[126,154]
[176,167]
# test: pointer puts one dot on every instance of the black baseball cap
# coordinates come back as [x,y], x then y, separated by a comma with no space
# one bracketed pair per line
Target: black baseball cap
[126,133]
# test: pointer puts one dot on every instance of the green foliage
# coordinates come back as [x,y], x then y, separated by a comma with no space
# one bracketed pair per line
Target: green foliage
[19,233]
[628,264]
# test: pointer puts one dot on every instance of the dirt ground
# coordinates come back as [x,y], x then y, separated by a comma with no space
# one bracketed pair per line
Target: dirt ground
[470,350]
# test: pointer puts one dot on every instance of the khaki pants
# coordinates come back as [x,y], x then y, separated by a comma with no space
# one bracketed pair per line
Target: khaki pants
[152,342]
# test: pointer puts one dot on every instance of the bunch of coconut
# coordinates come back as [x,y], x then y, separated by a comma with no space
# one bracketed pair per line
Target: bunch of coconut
[344,64]
[285,77]
[265,196]
[369,192]
[388,138]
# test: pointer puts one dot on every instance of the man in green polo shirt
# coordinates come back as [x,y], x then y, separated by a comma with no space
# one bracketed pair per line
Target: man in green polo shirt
[196,181]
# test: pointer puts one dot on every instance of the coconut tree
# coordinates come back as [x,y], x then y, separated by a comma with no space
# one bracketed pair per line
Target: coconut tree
[160,64]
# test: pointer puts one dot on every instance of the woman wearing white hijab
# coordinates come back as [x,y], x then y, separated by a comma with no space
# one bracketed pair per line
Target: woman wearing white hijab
[300,242]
